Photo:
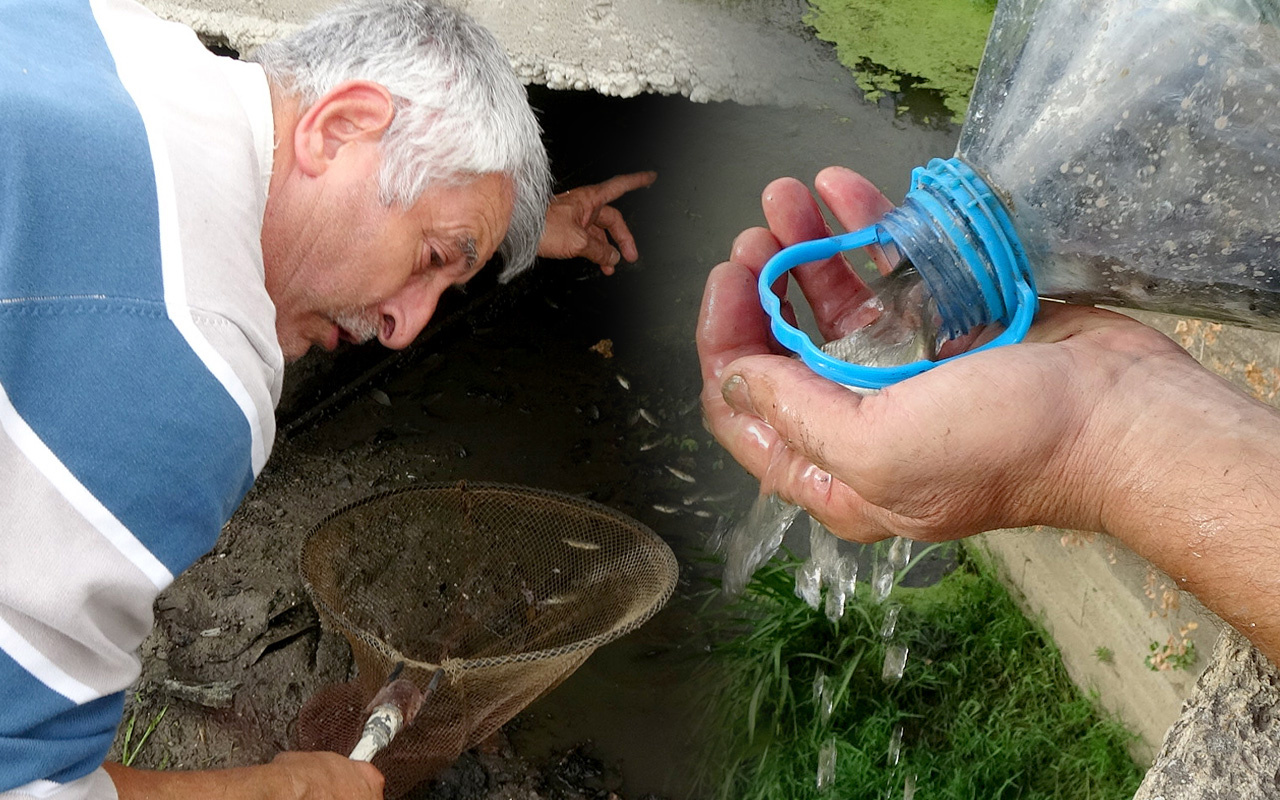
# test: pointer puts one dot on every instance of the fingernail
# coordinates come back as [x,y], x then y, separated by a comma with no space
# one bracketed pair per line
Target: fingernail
[614,258]
[736,394]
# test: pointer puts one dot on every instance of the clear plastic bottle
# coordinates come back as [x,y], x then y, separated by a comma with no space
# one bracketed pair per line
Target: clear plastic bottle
[1124,152]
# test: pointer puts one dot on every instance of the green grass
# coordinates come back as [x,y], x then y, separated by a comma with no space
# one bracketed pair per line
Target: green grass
[987,710]
[131,748]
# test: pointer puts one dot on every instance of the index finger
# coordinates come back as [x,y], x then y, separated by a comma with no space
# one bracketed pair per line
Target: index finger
[856,203]
[606,192]
[832,287]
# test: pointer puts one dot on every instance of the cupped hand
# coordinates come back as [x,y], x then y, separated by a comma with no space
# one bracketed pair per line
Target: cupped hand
[581,222]
[1019,435]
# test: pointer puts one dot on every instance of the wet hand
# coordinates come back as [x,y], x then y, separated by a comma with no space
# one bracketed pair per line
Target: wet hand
[1015,436]
[581,223]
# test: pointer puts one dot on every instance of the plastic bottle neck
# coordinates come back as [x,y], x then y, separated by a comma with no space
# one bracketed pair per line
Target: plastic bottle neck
[948,275]
[957,234]
[963,242]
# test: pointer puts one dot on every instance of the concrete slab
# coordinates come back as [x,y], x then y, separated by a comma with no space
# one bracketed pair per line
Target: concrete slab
[1104,606]
[749,52]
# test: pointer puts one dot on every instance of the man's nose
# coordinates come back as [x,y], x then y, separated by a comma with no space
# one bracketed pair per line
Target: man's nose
[405,314]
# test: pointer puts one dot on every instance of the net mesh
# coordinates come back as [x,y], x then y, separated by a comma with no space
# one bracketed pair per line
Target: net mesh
[508,589]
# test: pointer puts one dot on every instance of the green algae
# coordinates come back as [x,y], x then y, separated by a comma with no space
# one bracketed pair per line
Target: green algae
[896,46]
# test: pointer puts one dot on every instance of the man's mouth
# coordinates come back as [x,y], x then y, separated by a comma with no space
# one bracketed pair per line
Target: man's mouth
[354,328]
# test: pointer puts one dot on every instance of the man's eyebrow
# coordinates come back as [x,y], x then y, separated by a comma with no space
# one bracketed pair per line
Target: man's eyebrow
[470,250]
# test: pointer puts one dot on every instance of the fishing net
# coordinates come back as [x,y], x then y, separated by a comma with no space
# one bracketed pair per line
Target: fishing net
[508,589]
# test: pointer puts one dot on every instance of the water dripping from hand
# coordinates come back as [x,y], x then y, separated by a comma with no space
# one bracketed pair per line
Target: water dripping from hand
[827,764]
[895,662]
[895,746]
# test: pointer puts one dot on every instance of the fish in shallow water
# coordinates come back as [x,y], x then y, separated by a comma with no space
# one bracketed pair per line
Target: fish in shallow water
[684,476]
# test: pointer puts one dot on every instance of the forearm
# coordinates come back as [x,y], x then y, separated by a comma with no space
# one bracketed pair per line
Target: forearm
[290,776]
[1197,493]
[245,783]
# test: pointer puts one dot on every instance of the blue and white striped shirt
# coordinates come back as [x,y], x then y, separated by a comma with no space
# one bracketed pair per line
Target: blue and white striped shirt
[139,366]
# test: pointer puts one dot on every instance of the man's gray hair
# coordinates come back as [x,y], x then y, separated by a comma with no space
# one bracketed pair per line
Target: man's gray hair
[460,110]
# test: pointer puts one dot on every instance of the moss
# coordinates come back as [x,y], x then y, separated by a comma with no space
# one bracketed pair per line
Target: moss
[903,45]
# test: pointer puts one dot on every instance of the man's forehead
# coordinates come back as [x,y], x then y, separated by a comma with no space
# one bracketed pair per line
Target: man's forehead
[498,193]
[480,208]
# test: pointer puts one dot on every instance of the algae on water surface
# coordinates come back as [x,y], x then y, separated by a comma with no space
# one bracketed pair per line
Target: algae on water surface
[922,44]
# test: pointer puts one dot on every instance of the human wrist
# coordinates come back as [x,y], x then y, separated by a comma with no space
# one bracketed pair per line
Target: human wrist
[239,783]
[1199,462]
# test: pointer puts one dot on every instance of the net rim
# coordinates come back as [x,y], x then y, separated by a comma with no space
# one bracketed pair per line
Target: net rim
[670,569]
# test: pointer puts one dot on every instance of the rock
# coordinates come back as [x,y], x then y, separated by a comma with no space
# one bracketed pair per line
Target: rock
[215,694]
[1226,744]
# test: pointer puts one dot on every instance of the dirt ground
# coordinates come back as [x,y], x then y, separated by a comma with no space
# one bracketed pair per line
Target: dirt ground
[564,380]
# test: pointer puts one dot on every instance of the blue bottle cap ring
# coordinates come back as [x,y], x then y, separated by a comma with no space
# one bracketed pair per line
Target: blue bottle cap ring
[1008,295]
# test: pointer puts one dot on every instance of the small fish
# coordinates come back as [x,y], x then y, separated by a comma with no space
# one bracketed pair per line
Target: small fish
[623,382]
[556,601]
[719,498]
[644,448]
[380,397]
[581,545]
[684,476]
[666,509]
[704,514]
[647,417]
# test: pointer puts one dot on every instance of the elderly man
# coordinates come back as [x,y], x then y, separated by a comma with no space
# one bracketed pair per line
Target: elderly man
[174,226]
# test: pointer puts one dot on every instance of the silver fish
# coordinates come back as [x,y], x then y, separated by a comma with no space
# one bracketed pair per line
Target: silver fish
[684,476]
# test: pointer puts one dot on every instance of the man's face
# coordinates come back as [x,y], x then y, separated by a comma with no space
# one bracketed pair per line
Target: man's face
[340,265]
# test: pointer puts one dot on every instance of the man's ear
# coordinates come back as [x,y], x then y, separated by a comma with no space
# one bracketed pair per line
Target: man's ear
[351,112]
